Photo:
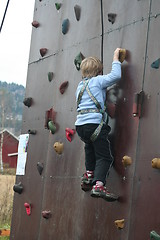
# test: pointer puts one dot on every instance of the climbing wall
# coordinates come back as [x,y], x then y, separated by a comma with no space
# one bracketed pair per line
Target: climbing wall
[63,34]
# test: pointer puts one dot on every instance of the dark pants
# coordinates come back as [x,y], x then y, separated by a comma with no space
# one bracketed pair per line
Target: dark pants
[98,157]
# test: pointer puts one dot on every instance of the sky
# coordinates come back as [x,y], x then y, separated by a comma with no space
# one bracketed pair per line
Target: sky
[15,38]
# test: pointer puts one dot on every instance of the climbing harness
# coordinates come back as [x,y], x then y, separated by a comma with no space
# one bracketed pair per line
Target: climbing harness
[96,110]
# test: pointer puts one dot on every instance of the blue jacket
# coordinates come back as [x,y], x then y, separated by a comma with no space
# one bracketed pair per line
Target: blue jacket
[97,86]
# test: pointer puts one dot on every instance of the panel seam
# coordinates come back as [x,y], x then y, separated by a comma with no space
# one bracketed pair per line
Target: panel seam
[139,125]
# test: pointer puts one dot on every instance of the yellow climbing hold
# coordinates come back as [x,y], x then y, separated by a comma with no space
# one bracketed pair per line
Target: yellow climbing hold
[122,55]
[127,161]
[58,147]
[156,163]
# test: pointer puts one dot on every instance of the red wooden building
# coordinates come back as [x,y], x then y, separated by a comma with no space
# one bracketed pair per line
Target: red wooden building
[9,148]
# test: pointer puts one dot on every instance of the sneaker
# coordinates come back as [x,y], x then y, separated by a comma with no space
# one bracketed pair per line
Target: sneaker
[86,182]
[102,192]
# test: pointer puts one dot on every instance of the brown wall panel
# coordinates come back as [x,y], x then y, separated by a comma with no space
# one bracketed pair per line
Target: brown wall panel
[74,214]
[145,213]
[130,33]
[49,33]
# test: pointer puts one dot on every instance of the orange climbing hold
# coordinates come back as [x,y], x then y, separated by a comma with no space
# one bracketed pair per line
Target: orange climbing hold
[119,223]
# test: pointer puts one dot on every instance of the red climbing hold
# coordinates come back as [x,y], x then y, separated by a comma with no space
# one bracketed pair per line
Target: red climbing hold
[49,116]
[43,51]
[63,87]
[28,208]
[35,24]
[70,133]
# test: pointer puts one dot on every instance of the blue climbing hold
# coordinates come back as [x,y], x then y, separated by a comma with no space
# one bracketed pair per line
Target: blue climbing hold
[156,64]
[65,26]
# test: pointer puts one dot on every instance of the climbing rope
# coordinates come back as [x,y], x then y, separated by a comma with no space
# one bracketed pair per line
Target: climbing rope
[4,15]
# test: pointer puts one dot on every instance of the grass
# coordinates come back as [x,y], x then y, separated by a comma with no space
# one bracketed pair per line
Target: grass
[6,201]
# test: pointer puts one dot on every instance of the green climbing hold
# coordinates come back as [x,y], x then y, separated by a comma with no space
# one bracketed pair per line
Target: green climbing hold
[156,64]
[154,236]
[58,5]
[50,76]
[52,127]
[78,59]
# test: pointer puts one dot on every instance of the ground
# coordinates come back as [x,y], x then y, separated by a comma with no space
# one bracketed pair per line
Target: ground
[6,200]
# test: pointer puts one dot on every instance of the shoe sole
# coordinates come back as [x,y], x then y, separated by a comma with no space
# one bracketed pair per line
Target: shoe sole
[86,187]
[107,198]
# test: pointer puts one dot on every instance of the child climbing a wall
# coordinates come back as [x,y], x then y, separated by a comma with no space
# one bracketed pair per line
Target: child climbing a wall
[91,124]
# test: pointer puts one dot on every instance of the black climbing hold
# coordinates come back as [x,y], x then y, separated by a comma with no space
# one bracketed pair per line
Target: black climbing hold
[77,11]
[58,5]
[112,17]
[40,167]
[78,59]
[18,188]
[50,76]
[27,101]
[33,132]
[156,64]
[65,26]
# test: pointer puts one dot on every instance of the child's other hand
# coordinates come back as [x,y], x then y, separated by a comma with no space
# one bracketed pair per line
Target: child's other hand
[116,54]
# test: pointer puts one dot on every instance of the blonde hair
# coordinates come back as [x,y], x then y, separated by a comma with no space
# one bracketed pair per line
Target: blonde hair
[91,67]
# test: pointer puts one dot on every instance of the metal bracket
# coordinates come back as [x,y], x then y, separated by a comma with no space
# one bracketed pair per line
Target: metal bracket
[137,105]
